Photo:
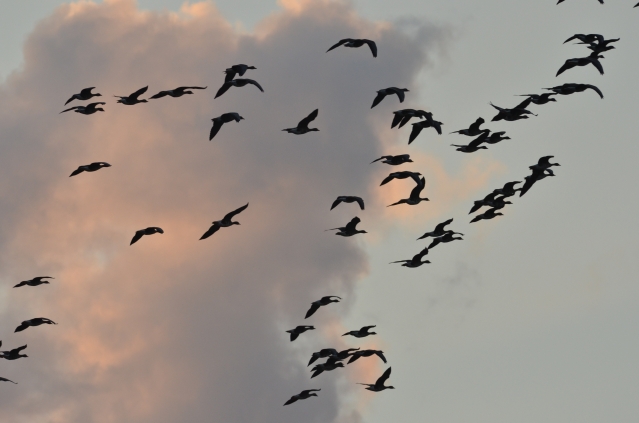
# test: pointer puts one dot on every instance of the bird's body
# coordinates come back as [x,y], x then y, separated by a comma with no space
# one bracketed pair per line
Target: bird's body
[331,364]
[439,230]
[571,88]
[543,163]
[489,214]
[90,168]
[379,386]
[236,70]
[133,99]
[367,353]
[177,92]
[350,229]
[225,222]
[37,321]
[302,396]
[33,282]
[302,126]
[89,109]
[473,130]
[593,59]
[448,237]
[388,91]
[297,331]
[416,261]
[85,94]
[315,305]
[474,145]
[221,120]
[355,43]
[361,333]
[394,160]
[516,113]
[402,175]
[508,190]
[13,354]
[237,83]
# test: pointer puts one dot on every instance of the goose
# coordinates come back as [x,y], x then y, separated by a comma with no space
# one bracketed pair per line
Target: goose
[361,333]
[302,126]
[448,237]
[439,230]
[496,137]
[593,59]
[344,354]
[236,70]
[13,354]
[508,189]
[428,123]
[148,231]
[394,160]
[366,353]
[537,175]
[379,384]
[600,44]
[302,396]
[539,99]
[225,222]
[348,199]
[414,198]
[237,83]
[486,201]
[89,109]
[90,168]
[324,353]
[473,130]
[177,92]
[39,280]
[3,379]
[402,117]
[513,114]
[355,43]
[586,38]
[489,214]
[416,261]
[133,99]
[543,163]
[315,305]
[221,120]
[85,94]
[388,91]
[37,321]
[474,145]
[326,367]
[349,229]
[571,88]
[298,331]
[402,175]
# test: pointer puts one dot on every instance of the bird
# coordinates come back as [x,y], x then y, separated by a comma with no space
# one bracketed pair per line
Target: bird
[513,114]
[240,82]
[361,333]
[540,99]
[348,199]
[331,364]
[402,175]
[148,231]
[414,198]
[13,354]
[508,189]
[586,38]
[472,146]
[324,353]
[379,384]
[486,201]
[349,229]
[496,137]
[302,126]
[593,59]
[561,1]
[366,353]
[225,222]
[402,117]
[388,91]
[37,321]
[489,214]
[439,230]
[133,99]
[85,94]
[448,237]
[344,354]
[221,120]
[39,280]
[302,396]
[473,130]
[89,109]
[537,175]
[354,43]
[601,45]
[315,305]
[414,262]
[90,168]
[177,92]
[543,164]
[298,331]
[571,88]
[236,70]
[428,123]
[394,160]
[3,379]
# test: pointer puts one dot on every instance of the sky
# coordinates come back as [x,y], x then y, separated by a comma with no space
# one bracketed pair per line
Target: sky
[531,318]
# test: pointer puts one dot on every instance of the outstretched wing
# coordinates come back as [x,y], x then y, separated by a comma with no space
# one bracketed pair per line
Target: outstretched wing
[137,236]
[475,125]
[372,46]
[360,201]
[314,307]
[214,228]
[418,189]
[379,98]
[224,88]
[597,90]
[79,170]
[160,94]
[251,81]
[71,108]
[344,41]
[138,93]
[336,202]
[22,326]
[380,354]
[308,119]
[417,128]
[217,125]
[7,380]
[350,226]
[382,379]
[232,214]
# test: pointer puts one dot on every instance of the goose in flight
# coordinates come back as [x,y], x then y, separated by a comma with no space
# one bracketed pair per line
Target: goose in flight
[221,120]
[298,331]
[508,190]
[240,82]
[89,109]
[348,199]
[394,160]
[540,99]
[402,117]
[586,38]
[355,43]
[315,305]
[349,229]
[601,45]
[37,321]
[177,92]
[543,164]
[361,333]
[486,201]
[85,94]
[302,126]
[572,88]
[379,384]
[439,230]
[495,203]
[4,379]
[428,123]
[225,222]
[148,231]
[448,237]
[344,354]
[324,353]
[331,364]
[133,99]
[473,130]
[489,214]
[513,114]
[236,70]
[593,59]
[90,168]
[388,91]
[414,262]
[13,354]
[366,353]
[474,145]
[39,280]
[402,175]
[414,198]
[537,175]
[302,396]
[496,137]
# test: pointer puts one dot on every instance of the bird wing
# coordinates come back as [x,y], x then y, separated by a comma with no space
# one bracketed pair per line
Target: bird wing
[437,125]
[366,328]
[597,64]
[597,90]
[434,243]
[372,46]
[314,307]
[7,380]
[72,108]
[350,226]
[22,326]
[251,81]
[70,100]
[354,357]
[401,94]
[524,104]
[160,94]
[530,181]
[380,354]
[294,336]
[23,283]
[405,120]
[137,236]
[397,119]
[381,158]
[224,88]
[417,128]
[214,228]
[292,400]
[360,201]
[567,65]
[544,161]
[217,125]
[86,92]
[440,227]
[574,37]
[475,125]
[138,93]
[308,119]
[192,88]
[383,377]
[232,214]
[344,41]
[378,99]
[79,170]
[418,189]
[336,202]
[17,350]
[478,141]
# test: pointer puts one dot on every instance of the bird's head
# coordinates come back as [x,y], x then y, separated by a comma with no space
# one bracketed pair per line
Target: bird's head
[99,109]
[313,129]
[390,387]
[409,160]
[104,164]
[188,92]
[362,232]
[97,95]
[482,147]
[251,67]
[235,223]
[506,138]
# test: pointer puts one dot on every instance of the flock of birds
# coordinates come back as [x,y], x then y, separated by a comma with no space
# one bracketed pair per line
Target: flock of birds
[494,201]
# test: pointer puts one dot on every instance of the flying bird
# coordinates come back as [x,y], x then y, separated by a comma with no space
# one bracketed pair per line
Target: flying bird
[489,214]
[324,353]
[361,333]
[402,175]
[133,99]
[302,126]
[496,137]
[13,354]
[237,83]
[89,109]
[543,164]
[348,199]
[331,364]
[402,117]
[148,231]
[414,198]
[3,379]
[350,228]
[388,91]
[85,94]
[572,88]
[302,396]
[90,168]
[298,331]
[37,321]
[448,237]
[516,113]
[379,384]
[394,160]
[539,99]
[39,280]
[537,175]
[354,43]
[177,92]
[428,123]
[586,38]
[508,190]
[439,230]
[221,120]
[315,305]
[473,130]
[414,262]
[236,70]
[366,353]
[593,59]
[225,222]
[474,145]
